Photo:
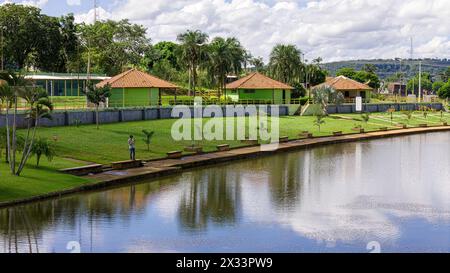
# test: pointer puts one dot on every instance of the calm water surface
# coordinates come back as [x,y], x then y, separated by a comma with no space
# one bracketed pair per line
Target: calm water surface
[331,199]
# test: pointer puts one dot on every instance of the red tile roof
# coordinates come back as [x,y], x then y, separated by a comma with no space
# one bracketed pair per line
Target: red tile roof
[136,79]
[257,81]
[342,83]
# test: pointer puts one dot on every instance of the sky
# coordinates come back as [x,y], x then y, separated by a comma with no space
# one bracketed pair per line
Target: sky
[332,29]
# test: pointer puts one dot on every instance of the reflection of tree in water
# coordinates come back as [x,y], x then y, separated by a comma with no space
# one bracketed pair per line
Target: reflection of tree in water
[212,196]
[284,179]
[22,227]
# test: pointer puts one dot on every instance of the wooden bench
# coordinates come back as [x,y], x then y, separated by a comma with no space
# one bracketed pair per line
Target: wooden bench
[338,133]
[305,134]
[127,164]
[423,125]
[223,147]
[193,149]
[250,141]
[84,170]
[358,129]
[175,154]
[284,139]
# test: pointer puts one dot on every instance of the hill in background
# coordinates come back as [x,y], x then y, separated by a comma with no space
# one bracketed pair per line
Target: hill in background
[386,68]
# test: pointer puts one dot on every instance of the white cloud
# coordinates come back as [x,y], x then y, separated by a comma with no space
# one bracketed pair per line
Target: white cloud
[35,3]
[73,2]
[333,29]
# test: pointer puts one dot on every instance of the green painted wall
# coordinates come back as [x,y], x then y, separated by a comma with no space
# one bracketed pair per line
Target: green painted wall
[261,94]
[128,97]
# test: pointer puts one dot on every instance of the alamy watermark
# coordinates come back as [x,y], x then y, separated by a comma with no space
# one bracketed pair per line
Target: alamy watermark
[215,122]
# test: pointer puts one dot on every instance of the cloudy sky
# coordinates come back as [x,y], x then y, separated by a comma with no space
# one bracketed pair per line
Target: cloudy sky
[332,29]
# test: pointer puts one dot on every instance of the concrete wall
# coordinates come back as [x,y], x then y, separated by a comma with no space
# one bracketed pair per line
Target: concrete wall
[109,116]
[351,108]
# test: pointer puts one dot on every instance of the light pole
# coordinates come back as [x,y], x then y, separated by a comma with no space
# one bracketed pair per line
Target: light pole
[420,81]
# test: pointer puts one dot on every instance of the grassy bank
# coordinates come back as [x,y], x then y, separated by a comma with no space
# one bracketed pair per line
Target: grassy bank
[37,181]
[76,146]
[109,143]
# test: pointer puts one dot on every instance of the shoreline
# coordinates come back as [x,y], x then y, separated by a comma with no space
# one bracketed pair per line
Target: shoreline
[166,167]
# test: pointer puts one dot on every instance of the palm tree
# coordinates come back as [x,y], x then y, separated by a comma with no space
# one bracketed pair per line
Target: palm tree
[285,63]
[258,63]
[191,52]
[225,56]
[43,147]
[325,95]
[40,107]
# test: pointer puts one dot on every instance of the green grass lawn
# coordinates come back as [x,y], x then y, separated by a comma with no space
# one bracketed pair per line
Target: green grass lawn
[82,145]
[109,143]
[37,181]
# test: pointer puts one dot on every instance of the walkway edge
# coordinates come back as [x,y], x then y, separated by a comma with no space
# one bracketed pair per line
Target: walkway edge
[179,166]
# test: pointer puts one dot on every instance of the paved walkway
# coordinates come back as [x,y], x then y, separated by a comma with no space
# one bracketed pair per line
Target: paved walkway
[165,167]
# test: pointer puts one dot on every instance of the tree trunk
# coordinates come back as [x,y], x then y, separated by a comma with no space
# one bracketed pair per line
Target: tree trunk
[189,89]
[8,143]
[194,79]
[38,159]
[12,163]
[25,144]
[96,115]
[24,160]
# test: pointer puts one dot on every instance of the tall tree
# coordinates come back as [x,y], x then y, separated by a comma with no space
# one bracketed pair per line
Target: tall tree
[21,33]
[111,46]
[49,51]
[285,63]
[70,43]
[413,84]
[192,51]
[225,56]
[258,64]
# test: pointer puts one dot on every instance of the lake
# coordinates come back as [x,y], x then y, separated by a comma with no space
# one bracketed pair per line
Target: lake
[388,195]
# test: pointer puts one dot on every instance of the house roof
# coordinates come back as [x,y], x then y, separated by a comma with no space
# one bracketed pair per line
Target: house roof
[342,83]
[136,79]
[257,81]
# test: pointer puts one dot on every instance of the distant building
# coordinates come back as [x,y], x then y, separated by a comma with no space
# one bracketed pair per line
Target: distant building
[64,84]
[259,88]
[397,88]
[135,88]
[348,87]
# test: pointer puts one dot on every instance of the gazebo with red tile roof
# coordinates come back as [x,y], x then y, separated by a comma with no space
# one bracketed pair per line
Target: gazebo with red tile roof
[136,88]
[258,87]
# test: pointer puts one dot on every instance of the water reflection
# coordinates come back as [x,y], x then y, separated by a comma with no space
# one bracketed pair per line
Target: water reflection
[334,198]
[212,196]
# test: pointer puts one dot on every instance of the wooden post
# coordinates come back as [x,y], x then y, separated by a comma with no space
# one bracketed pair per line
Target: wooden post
[273,96]
[159,97]
[123,97]
[175,96]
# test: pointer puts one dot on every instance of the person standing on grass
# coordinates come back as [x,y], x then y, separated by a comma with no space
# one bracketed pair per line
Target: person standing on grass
[132,147]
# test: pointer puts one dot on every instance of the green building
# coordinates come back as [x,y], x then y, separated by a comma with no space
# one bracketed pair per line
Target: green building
[64,84]
[135,88]
[257,88]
